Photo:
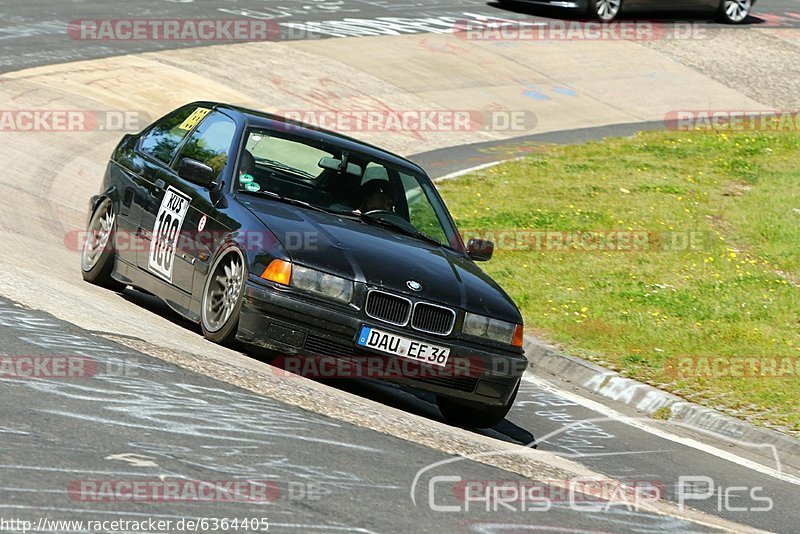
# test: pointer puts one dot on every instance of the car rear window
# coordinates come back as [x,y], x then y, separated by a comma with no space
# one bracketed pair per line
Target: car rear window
[163,139]
[211,142]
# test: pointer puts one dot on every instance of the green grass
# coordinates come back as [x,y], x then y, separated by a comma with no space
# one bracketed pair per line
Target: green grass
[732,293]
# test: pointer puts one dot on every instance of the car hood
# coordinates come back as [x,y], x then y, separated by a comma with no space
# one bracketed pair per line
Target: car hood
[366,253]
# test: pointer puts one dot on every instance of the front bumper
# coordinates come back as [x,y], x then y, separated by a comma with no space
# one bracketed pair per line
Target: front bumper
[292,325]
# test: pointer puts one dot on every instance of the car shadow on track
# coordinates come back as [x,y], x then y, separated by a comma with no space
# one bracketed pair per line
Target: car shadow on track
[403,398]
[423,404]
[663,17]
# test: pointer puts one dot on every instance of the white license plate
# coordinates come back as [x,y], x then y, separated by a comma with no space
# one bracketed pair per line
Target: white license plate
[375,339]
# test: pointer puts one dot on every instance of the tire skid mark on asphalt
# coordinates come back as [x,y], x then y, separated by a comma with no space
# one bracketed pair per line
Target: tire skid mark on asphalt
[579,438]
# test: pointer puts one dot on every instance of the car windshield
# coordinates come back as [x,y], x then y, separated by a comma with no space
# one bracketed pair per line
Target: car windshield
[395,198]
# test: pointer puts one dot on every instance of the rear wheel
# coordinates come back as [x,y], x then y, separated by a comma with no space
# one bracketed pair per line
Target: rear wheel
[97,256]
[472,414]
[734,11]
[605,10]
[222,296]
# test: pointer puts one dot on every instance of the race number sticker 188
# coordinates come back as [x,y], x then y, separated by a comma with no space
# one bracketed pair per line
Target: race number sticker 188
[166,232]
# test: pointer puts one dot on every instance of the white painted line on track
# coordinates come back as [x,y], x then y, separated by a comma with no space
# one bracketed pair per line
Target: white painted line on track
[658,432]
[481,167]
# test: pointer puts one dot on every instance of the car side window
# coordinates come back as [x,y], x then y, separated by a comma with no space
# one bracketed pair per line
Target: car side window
[162,141]
[211,142]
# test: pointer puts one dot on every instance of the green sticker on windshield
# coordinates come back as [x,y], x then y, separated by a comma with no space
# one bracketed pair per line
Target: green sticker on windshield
[246,179]
[252,186]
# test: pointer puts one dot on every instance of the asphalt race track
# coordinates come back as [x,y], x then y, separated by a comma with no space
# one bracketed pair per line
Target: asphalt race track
[144,419]
[345,456]
[33,32]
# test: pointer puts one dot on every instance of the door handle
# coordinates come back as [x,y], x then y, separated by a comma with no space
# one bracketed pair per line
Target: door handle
[161,184]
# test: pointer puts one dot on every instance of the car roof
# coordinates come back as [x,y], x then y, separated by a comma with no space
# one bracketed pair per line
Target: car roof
[261,119]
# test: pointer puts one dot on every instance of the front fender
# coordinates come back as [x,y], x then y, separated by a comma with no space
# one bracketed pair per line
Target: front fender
[111,193]
[259,248]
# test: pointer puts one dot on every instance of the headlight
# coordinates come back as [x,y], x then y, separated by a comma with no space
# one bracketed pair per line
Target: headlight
[322,284]
[502,331]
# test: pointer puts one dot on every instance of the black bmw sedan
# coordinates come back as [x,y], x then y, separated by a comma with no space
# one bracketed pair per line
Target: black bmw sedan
[728,11]
[312,245]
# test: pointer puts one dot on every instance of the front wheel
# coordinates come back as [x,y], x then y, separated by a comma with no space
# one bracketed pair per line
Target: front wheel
[223,295]
[605,10]
[472,414]
[97,256]
[734,11]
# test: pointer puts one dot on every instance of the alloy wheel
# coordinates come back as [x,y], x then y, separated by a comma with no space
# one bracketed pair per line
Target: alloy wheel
[607,10]
[97,237]
[223,291]
[736,10]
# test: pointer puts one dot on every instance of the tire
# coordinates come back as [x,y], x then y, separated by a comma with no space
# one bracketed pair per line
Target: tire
[604,10]
[734,11]
[97,257]
[223,294]
[472,414]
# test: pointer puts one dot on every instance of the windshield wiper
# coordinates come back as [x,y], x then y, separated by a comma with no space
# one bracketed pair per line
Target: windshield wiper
[293,201]
[386,223]
[283,167]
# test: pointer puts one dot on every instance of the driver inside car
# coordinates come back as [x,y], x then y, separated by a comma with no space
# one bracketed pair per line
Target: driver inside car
[376,195]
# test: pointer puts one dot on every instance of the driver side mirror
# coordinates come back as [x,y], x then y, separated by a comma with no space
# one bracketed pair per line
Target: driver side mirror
[480,249]
[197,172]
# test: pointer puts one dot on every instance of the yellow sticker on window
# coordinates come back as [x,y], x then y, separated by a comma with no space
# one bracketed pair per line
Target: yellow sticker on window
[194,119]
